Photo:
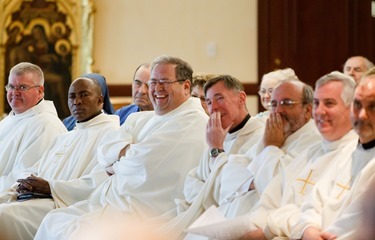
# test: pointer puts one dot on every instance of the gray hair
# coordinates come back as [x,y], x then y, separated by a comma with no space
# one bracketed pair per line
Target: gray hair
[369,73]
[26,67]
[230,82]
[368,63]
[281,74]
[348,85]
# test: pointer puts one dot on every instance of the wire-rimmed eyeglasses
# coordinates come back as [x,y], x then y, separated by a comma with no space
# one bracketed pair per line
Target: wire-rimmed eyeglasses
[162,82]
[287,103]
[21,88]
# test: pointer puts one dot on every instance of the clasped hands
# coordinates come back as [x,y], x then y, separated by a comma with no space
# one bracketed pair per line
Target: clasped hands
[274,131]
[33,184]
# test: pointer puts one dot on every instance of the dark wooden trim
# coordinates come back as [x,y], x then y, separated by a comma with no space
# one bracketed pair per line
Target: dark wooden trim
[251,88]
[120,90]
[125,90]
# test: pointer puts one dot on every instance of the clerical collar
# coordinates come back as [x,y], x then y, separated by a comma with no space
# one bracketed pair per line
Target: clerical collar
[88,119]
[239,126]
[368,145]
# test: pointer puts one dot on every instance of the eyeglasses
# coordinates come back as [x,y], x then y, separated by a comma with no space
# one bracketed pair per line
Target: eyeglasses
[287,103]
[22,88]
[162,82]
[264,91]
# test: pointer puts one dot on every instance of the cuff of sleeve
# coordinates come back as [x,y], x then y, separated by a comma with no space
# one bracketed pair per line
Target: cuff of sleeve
[258,160]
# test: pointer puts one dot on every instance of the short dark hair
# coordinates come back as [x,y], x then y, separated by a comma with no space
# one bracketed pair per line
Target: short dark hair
[183,70]
[229,82]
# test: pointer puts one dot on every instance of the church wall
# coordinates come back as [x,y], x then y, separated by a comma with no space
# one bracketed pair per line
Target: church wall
[217,36]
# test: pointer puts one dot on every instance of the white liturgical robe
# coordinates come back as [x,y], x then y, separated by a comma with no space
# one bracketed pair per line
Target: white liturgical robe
[150,175]
[334,201]
[71,169]
[24,138]
[235,198]
[202,181]
[278,208]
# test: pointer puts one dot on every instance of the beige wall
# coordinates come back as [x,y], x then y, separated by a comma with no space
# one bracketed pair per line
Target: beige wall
[218,36]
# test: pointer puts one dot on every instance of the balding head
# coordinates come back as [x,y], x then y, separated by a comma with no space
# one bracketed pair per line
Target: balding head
[292,99]
[356,66]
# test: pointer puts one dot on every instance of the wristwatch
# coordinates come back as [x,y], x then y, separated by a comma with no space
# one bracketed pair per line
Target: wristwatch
[215,152]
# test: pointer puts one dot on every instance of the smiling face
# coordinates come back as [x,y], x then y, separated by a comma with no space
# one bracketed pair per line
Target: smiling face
[167,97]
[230,104]
[265,91]
[363,110]
[198,92]
[21,101]
[140,89]
[296,115]
[84,99]
[331,116]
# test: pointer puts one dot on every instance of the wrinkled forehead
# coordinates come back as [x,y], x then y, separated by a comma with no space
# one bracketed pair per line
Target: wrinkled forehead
[143,74]
[287,90]
[366,88]
[163,71]
[21,78]
[355,62]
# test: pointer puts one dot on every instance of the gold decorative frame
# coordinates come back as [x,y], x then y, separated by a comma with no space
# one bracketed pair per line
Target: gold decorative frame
[79,19]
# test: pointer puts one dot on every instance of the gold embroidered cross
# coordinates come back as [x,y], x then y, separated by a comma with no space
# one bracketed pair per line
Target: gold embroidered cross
[344,187]
[60,153]
[305,181]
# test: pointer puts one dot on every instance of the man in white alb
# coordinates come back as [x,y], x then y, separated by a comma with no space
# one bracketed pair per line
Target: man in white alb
[297,123]
[289,130]
[230,130]
[160,147]
[333,210]
[31,125]
[279,205]
[68,172]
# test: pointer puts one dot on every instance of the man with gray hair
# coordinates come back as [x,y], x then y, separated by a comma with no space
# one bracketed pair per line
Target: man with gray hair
[157,150]
[68,171]
[141,100]
[279,206]
[356,66]
[231,186]
[333,210]
[31,125]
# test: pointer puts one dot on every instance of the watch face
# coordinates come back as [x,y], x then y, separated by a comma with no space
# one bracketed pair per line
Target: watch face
[215,152]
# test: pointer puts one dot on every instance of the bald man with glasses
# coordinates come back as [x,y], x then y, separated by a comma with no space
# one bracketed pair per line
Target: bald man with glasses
[31,125]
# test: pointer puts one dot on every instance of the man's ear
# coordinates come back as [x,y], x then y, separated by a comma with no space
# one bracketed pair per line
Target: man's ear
[242,96]
[100,100]
[187,86]
[41,92]
[308,113]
